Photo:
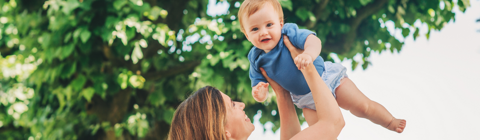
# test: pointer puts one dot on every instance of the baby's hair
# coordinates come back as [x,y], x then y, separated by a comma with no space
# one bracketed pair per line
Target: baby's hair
[249,7]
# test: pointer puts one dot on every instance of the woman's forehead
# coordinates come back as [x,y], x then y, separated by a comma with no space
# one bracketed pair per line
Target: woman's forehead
[226,100]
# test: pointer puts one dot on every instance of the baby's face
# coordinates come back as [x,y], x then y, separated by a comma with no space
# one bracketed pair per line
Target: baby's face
[263,28]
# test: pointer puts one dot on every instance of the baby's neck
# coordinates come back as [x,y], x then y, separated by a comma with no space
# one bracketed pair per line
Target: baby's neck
[266,51]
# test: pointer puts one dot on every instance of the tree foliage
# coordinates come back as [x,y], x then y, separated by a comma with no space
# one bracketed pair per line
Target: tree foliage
[105,69]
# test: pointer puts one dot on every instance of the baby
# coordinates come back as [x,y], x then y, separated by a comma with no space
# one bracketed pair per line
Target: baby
[262,23]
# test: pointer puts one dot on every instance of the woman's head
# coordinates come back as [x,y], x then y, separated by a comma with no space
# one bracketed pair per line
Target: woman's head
[210,114]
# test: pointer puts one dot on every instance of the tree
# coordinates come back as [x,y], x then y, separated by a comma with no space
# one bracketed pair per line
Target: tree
[117,69]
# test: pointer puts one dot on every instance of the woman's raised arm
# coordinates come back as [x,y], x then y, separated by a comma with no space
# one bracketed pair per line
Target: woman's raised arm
[330,119]
[289,124]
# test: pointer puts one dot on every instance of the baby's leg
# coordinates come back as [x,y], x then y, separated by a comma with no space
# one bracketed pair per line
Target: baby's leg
[349,97]
[310,116]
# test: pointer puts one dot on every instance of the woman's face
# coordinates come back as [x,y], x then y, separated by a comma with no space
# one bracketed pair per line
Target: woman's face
[238,125]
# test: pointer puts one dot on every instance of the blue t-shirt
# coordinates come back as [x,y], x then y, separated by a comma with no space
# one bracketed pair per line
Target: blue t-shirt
[279,65]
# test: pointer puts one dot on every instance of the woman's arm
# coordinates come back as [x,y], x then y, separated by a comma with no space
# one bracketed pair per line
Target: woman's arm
[330,119]
[289,124]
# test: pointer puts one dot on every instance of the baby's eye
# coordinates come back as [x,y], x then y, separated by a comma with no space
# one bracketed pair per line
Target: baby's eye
[269,24]
[254,29]
[233,104]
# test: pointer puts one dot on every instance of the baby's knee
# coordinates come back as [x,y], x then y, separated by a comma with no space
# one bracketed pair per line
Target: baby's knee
[361,110]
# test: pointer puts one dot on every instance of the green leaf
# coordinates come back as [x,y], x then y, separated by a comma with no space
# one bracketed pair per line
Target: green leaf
[247,44]
[157,99]
[302,13]
[154,13]
[214,60]
[428,34]
[143,128]
[67,37]
[405,32]
[95,129]
[130,33]
[76,34]
[220,47]
[118,4]
[49,54]
[67,50]
[365,64]
[45,40]
[311,16]
[85,35]
[136,81]
[286,4]
[168,115]
[137,54]
[243,63]
[416,33]
[122,80]
[88,93]
[232,66]
[118,130]
[78,83]
[391,9]
[100,87]
[59,91]
[58,53]
[365,2]
[354,64]
[69,6]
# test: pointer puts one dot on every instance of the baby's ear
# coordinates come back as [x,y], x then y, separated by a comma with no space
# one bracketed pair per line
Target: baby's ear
[281,23]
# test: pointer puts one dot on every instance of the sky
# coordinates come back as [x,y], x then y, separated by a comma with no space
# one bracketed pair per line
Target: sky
[434,84]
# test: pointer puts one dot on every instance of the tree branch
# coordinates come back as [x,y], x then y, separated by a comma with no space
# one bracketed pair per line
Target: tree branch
[10,127]
[347,39]
[318,12]
[366,11]
[172,70]
[175,13]
[5,50]
[152,49]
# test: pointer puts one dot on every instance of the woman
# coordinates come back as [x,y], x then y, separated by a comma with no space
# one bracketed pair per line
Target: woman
[211,115]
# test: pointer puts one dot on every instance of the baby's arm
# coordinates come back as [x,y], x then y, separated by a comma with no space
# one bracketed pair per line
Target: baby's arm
[260,92]
[313,47]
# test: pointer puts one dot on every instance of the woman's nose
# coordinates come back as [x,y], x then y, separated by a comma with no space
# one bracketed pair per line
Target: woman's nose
[242,105]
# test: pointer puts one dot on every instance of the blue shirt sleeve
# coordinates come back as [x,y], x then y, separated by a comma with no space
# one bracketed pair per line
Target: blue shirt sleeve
[254,71]
[297,36]
[256,76]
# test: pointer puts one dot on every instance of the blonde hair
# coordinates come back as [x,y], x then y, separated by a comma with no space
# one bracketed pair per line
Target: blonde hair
[201,116]
[249,7]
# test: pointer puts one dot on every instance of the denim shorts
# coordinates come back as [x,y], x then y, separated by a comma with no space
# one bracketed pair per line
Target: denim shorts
[334,72]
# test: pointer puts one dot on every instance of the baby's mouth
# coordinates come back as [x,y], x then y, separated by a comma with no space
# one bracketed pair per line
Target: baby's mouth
[265,40]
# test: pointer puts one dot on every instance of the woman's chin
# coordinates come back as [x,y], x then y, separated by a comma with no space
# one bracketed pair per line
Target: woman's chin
[253,128]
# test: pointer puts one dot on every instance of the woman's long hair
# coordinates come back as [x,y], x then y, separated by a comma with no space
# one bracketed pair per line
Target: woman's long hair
[201,116]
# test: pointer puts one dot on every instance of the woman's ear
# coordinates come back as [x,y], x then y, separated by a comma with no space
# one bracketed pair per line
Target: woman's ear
[228,135]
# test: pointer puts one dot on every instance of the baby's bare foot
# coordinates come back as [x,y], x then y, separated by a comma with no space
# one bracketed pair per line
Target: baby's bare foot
[397,125]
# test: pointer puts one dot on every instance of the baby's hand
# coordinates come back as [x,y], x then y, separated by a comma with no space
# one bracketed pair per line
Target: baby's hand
[260,92]
[302,60]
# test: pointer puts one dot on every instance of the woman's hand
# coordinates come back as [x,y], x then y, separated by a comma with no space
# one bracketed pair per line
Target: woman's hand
[293,51]
[299,58]
[275,86]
